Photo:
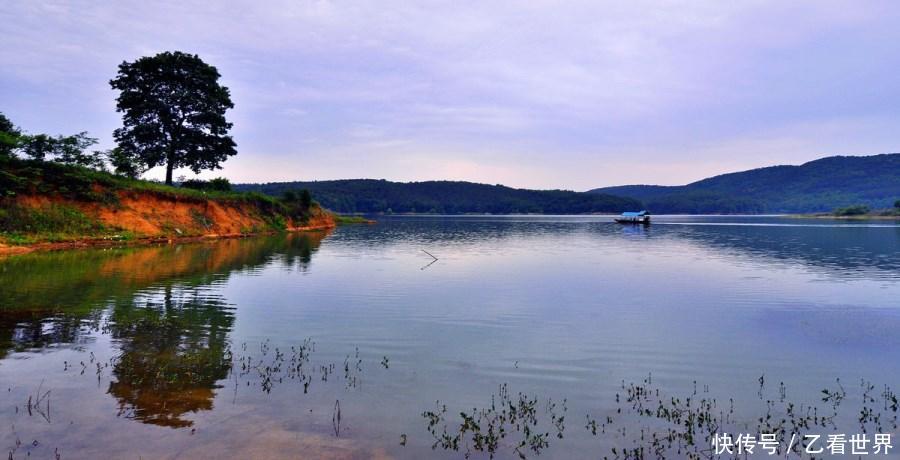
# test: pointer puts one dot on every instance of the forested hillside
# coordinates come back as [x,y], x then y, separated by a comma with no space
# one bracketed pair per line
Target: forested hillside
[445,197]
[820,185]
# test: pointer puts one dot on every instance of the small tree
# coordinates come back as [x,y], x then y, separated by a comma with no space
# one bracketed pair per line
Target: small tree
[10,136]
[220,184]
[62,149]
[125,163]
[305,199]
[70,150]
[297,203]
[173,112]
[297,199]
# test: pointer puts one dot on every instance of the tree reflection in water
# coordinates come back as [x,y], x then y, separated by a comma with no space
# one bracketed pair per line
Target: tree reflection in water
[173,351]
[156,304]
[54,300]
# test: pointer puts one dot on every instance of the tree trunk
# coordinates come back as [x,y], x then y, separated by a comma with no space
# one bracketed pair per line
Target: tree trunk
[169,167]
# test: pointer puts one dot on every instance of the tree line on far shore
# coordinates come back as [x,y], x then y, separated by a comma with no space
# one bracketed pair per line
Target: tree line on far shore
[370,196]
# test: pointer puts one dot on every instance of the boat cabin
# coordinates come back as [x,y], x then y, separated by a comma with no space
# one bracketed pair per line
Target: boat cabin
[630,217]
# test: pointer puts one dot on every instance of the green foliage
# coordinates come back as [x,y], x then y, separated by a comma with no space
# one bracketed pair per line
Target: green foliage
[62,149]
[817,186]
[297,203]
[344,219]
[897,204]
[305,199]
[33,177]
[445,197]
[275,221]
[70,150]
[9,136]
[124,163]
[50,223]
[219,184]
[857,210]
[173,112]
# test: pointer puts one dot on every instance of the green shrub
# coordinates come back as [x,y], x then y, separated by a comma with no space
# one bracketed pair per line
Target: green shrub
[857,210]
[219,184]
[55,219]
[344,219]
[297,204]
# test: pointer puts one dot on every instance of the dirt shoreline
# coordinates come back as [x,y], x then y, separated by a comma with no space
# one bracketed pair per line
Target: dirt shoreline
[10,250]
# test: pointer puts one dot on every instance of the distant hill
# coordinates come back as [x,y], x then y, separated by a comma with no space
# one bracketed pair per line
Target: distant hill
[445,197]
[820,185]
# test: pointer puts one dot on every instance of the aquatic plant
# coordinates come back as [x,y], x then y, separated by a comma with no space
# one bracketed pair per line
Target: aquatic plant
[686,426]
[486,430]
[650,423]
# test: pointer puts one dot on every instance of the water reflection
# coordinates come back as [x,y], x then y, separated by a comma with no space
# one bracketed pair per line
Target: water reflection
[536,302]
[830,247]
[170,332]
[836,250]
[173,351]
[54,299]
[22,330]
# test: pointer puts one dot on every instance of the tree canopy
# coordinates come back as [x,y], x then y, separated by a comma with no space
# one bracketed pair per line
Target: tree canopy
[125,163]
[62,149]
[173,112]
[44,147]
[9,136]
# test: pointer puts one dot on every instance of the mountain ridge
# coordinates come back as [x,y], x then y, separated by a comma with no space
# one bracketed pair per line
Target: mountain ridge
[444,197]
[815,186]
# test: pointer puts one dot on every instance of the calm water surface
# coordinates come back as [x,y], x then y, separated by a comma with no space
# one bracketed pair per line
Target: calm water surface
[334,345]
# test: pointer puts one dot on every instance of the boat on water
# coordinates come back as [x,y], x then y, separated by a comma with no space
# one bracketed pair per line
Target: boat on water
[634,218]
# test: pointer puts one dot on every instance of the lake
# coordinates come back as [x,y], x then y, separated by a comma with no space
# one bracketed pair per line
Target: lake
[558,336]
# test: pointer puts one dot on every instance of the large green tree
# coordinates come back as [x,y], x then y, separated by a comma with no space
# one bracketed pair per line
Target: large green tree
[173,112]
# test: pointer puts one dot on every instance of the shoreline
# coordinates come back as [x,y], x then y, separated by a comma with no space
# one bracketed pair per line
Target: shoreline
[47,246]
[836,217]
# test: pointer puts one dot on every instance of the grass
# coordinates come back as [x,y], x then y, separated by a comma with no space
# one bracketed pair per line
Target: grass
[857,213]
[341,219]
[35,177]
[58,222]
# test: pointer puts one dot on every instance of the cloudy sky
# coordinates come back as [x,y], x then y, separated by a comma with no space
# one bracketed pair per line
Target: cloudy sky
[540,94]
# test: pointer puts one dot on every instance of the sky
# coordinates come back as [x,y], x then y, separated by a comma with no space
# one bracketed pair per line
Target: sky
[538,94]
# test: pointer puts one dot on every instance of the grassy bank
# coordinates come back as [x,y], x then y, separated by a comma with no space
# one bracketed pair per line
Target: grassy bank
[870,216]
[53,223]
[859,212]
[33,177]
[45,202]
[344,219]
